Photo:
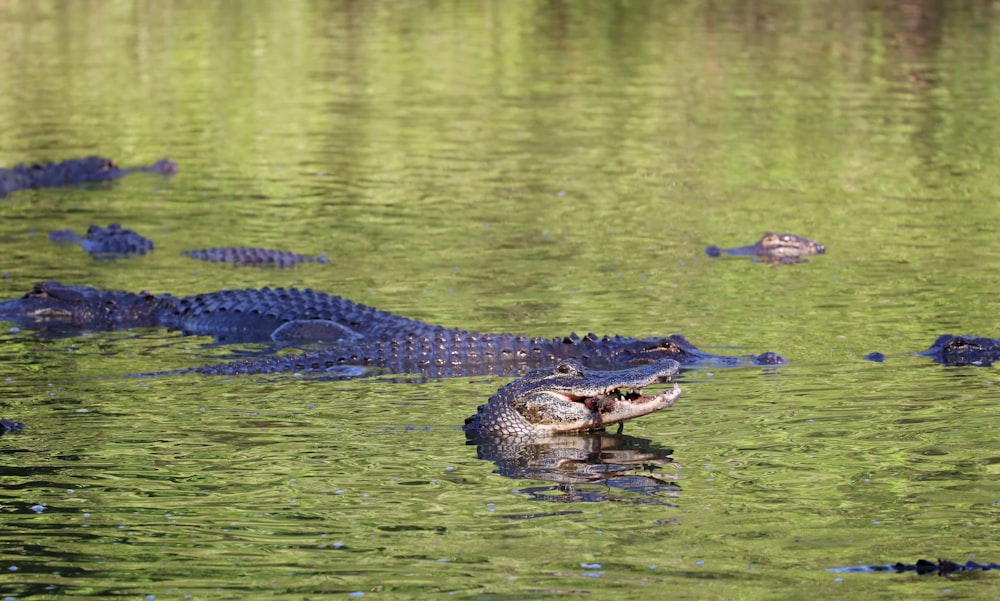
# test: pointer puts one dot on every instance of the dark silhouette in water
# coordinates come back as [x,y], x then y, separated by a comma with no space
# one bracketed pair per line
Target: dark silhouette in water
[261,257]
[964,350]
[923,567]
[73,172]
[7,425]
[105,242]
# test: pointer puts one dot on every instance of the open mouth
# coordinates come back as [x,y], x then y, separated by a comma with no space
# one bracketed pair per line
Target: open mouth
[610,399]
[51,313]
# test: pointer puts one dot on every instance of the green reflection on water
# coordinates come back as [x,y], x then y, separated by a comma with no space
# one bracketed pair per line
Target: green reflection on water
[518,166]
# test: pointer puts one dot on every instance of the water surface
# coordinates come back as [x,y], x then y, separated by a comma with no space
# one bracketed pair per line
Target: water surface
[526,166]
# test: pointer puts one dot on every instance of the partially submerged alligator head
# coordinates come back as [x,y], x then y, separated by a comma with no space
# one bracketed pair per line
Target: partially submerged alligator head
[7,425]
[781,248]
[571,398]
[964,350]
[106,242]
[73,171]
[60,308]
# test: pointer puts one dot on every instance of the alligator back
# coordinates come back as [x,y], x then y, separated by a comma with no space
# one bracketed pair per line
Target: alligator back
[262,257]
[254,315]
[435,351]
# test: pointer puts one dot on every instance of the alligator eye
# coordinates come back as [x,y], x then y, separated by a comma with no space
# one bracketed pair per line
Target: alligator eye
[961,343]
[566,368]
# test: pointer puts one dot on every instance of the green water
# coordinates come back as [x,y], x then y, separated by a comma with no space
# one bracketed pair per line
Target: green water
[540,167]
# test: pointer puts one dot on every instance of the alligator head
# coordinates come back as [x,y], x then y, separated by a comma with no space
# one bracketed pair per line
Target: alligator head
[964,350]
[59,305]
[775,248]
[788,245]
[571,398]
[50,301]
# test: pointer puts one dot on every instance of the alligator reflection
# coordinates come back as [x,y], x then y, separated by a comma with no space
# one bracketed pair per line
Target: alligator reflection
[587,467]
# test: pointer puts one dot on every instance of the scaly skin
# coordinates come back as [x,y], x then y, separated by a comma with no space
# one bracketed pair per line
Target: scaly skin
[572,398]
[251,315]
[783,248]
[260,257]
[437,352]
[356,336]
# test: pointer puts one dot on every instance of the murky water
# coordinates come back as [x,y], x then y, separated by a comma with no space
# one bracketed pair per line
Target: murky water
[511,166]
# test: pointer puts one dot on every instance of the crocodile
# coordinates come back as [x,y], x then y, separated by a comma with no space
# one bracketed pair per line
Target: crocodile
[106,242]
[72,172]
[352,334]
[964,350]
[569,397]
[923,567]
[772,247]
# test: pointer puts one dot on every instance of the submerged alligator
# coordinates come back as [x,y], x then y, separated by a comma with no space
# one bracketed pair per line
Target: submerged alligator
[105,242]
[116,241]
[964,350]
[772,247]
[353,335]
[923,567]
[73,172]
[568,397]
[265,257]
[7,425]
[956,350]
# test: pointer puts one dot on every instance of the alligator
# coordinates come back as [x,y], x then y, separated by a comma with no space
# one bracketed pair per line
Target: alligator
[266,257]
[775,248]
[230,316]
[941,567]
[106,242]
[115,241]
[964,350]
[7,425]
[437,352]
[353,335]
[72,172]
[569,397]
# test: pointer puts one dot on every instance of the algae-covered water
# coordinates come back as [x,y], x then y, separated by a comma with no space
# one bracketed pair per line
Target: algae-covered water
[537,167]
